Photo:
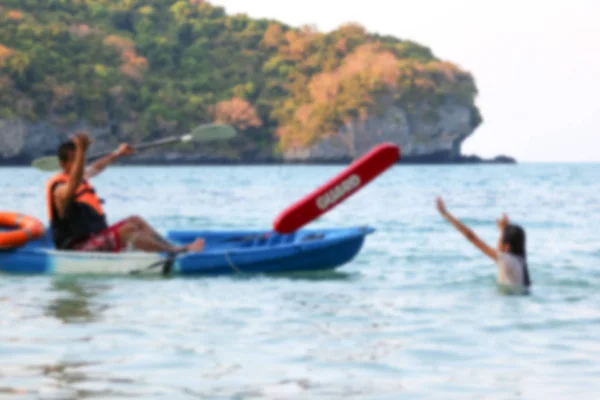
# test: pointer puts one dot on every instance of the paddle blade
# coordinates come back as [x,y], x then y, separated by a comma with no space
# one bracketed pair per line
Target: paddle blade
[49,163]
[345,184]
[208,132]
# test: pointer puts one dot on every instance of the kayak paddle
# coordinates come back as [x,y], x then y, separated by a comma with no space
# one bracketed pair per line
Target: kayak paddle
[201,133]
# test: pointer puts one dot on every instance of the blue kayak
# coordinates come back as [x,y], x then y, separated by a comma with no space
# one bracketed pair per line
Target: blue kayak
[226,252]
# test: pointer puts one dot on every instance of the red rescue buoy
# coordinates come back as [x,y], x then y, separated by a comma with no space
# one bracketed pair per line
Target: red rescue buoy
[352,179]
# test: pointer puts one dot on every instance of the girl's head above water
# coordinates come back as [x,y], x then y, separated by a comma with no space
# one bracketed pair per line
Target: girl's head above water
[513,240]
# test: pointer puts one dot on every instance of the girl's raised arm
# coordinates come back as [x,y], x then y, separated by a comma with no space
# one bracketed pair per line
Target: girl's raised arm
[466,231]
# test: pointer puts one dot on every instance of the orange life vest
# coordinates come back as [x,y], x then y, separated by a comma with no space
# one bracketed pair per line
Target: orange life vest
[83,215]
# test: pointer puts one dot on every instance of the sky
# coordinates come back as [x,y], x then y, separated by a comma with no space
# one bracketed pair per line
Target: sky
[536,63]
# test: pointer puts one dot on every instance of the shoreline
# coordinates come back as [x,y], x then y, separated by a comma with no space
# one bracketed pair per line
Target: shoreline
[408,160]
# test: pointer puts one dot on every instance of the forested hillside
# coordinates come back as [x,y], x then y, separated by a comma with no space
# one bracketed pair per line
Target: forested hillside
[148,68]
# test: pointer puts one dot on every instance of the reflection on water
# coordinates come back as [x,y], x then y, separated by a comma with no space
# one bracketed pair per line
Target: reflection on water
[315,276]
[66,381]
[75,304]
[51,375]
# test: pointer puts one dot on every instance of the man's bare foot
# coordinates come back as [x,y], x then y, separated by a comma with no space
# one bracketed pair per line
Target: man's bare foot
[197,246]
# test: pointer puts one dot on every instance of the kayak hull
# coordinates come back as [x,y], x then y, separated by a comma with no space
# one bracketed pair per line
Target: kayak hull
[227,252]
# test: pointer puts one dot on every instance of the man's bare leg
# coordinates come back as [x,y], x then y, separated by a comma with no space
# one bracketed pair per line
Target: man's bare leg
[144,238]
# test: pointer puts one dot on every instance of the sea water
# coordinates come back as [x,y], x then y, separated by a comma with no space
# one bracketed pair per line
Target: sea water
[416,315]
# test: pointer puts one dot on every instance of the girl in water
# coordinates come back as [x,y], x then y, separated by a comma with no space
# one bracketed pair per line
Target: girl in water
[510,255]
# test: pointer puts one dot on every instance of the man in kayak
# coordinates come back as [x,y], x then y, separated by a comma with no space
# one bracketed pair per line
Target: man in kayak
[77,219]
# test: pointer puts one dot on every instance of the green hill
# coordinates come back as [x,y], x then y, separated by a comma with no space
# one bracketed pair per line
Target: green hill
[148,68]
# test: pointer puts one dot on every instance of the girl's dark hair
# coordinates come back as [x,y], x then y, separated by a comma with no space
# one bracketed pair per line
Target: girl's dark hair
[514,236]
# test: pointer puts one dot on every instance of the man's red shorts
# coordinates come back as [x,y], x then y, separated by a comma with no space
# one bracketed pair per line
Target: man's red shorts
[107,240]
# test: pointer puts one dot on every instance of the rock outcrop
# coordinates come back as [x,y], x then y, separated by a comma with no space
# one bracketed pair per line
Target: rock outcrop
[438,131]
[434,136]
[22,141]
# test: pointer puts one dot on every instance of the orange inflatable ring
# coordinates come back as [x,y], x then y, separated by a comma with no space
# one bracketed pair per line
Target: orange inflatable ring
[28,228]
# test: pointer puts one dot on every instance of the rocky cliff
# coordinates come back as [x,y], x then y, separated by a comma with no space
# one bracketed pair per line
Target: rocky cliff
[434,137]
[22,141]
[437,134]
